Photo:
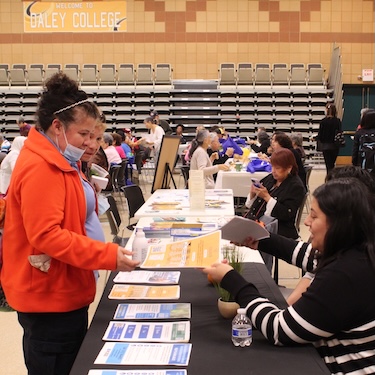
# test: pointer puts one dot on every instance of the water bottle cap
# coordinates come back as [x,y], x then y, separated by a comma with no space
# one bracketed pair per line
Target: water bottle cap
[241,311]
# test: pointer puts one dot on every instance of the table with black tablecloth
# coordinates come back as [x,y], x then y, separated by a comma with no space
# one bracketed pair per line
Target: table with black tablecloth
[212,351]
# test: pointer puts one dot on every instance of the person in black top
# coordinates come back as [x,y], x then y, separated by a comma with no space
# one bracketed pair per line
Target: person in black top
[363,155]
[280,196]
[263,139]
[328,128]
[179,131]
[163,123]
[337,311]
[281,140]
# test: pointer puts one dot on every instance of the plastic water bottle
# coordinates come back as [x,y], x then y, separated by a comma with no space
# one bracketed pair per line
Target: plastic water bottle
[140,246]
[242,332]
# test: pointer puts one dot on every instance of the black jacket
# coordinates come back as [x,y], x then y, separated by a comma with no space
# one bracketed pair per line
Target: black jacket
[289,196]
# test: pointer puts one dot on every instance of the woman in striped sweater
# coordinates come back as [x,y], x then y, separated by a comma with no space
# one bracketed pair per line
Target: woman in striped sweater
[337,312]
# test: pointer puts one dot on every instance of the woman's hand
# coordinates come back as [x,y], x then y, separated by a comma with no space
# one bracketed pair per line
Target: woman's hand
[248,242]
[217,271]
[214,156]
[223,167]
[262,192]
[125,263]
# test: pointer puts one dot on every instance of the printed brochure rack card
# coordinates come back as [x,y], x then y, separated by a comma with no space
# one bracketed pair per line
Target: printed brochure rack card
[161,354]
[126,291]
[200,252]
[148,331]
[152,311]
[148,277]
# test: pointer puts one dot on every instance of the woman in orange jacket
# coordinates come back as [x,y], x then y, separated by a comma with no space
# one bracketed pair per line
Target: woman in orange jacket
[48,258]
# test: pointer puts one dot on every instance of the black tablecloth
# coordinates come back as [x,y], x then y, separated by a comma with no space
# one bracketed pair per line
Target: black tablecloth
[213,351]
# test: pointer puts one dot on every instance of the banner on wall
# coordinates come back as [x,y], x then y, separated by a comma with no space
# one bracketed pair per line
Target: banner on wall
[53,17]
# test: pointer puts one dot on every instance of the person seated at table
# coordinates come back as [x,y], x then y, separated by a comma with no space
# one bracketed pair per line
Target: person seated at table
[280,195]
[218,156]
[297,143]
[199,159]
[179,131]
[337,172]
[337,311]
[117,140]
[141,153]
[221,133]
[187,150]
[280,139]
[113,156]
[262,143]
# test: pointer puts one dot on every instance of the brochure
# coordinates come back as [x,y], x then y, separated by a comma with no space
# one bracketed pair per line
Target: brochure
[148,331]
[137,372]
[239,228]
[126,291]
[153,311]
[149,277]
[121,353]
[200,251]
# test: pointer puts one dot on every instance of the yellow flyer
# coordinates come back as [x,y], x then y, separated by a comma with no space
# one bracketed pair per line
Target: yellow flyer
[126,291]
[194,252]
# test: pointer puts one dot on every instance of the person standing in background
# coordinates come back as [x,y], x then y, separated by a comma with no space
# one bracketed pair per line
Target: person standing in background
[153,140]
[163,123]
[328,128]
[3,151]
[9,162]
[48,259]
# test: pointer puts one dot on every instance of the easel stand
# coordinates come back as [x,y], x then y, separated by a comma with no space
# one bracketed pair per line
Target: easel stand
[167,172]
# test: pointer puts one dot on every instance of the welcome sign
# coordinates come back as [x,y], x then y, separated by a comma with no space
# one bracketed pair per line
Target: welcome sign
[53,17]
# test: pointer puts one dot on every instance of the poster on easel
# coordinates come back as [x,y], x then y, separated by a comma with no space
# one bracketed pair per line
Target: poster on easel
[165,163]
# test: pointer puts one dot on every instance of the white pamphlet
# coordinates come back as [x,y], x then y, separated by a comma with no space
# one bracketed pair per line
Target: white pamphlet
[149,277]
[197,190]
[148,331]
[137,353]
[239,228]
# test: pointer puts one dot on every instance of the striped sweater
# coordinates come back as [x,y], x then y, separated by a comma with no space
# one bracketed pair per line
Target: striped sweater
[336,313]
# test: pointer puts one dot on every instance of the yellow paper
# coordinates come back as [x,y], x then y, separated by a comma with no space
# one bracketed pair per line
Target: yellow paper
[200,251]
[125,291]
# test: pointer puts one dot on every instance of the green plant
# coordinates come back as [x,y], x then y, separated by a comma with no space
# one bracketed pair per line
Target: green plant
[235,259]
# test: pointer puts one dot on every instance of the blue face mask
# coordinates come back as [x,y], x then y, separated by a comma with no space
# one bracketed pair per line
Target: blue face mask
[72,153]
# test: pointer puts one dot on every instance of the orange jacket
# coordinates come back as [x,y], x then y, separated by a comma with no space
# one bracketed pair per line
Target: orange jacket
[45,214]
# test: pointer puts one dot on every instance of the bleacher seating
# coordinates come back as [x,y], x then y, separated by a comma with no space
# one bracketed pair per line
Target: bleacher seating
[125,99]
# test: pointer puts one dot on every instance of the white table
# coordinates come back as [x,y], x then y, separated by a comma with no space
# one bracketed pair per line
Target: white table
[249,255]
[183,208]
[239,182]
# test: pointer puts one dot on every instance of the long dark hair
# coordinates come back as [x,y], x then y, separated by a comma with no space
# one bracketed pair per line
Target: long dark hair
[198,140]
[349,208]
